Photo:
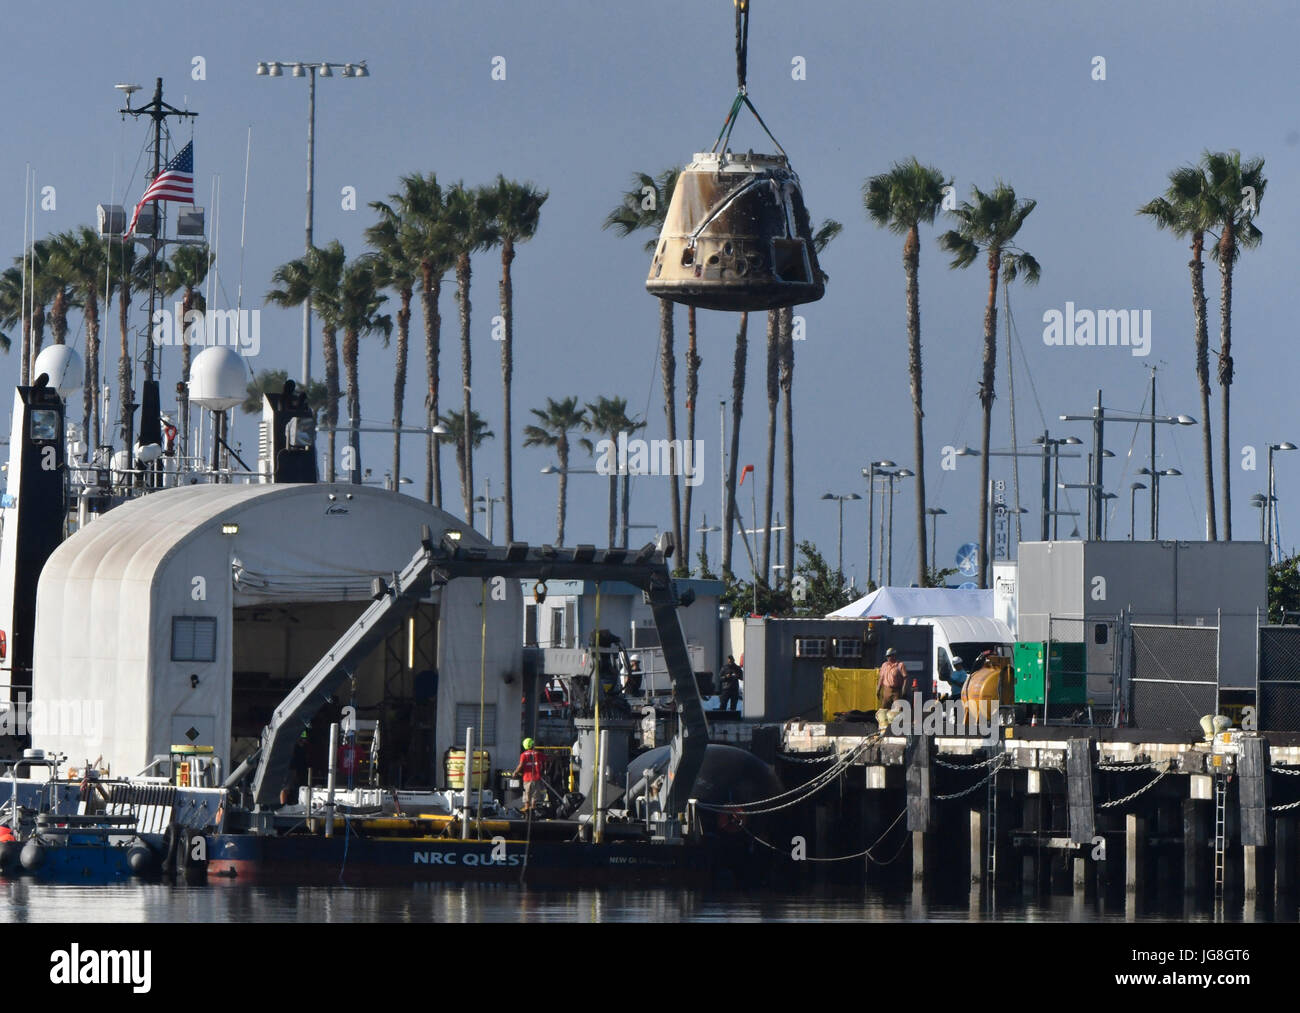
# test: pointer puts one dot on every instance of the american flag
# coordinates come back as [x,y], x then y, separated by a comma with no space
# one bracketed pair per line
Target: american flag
[174,183]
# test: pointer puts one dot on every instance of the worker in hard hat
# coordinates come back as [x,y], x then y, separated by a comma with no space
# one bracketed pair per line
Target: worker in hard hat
[889,684]
[530,767]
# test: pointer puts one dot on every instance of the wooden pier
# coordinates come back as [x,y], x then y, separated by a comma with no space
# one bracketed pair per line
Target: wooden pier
[1127,815]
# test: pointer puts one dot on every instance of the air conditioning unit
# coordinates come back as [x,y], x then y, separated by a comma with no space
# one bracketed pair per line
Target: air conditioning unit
[189,222]
[112,220]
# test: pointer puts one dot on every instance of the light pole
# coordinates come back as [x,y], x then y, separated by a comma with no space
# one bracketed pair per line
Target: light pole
[310,71]
[889,558]
[1260,502]
[839,561]
[487,504]
[704,530]
[1105,520]
[935,513]
[1132,516]
[1051,476]
[1155,477]
[869,473]
[1270,510]
[1099,417]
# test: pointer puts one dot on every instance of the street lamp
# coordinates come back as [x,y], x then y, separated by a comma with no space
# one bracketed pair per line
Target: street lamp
[310,71]
[1099,417]
[839,563]
[1155,477]
[1260,501]
[487,504]
[1271,510]
[704,530]
[889,552]
[1105,521]
[1132,516]
[869,473]
[1051,479]
[935,513]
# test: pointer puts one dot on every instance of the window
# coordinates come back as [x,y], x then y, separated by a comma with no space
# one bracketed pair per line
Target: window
[530,625]
[194,639]
[848,648]
[467,717]
[570,624]
[557,628]
[810,647]
[45,424]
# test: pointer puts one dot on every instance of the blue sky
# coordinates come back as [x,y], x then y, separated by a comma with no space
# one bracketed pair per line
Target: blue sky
[596,91]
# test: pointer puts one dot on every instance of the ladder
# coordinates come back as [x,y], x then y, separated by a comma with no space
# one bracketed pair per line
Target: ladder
[1220,837]
[991,851]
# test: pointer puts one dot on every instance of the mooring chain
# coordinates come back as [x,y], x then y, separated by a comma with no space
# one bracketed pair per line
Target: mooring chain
[1288,806]
[818,758]
[1120,768]
[978,784]
[1292,771]
[968,766]
[1145,788]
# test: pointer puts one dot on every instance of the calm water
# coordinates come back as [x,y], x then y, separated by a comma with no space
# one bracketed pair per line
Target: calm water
[25,901]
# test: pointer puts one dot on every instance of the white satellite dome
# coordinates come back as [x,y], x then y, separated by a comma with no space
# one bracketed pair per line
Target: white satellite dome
[63,366]
[218,379]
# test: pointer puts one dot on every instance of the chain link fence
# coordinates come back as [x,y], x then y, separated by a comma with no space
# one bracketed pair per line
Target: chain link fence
[1279,678]
[1175,676]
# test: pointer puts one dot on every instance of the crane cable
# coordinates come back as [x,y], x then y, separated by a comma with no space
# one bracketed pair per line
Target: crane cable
[742,86]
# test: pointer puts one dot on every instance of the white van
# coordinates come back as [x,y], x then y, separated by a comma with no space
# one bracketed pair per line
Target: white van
[965,637]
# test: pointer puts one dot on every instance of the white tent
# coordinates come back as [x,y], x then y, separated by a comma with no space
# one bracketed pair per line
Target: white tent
[158,621]
[901,602]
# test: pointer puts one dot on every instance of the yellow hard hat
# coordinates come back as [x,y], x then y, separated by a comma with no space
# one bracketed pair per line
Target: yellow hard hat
[528,743]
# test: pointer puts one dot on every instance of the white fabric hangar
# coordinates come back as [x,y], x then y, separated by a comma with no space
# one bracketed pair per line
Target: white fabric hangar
[186,616]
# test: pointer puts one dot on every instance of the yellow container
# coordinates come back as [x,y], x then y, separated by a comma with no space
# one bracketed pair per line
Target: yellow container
[848,689]
[454,765]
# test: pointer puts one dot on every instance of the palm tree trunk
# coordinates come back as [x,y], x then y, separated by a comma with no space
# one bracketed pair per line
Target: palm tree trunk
[613,507]
[1202,343]
[330,352]
[399,382]
[692,394]
[183,388]
[350,352]
[124,358]
[563,449]
[737,411]
[986,402]
[462,299]
[773,397]
[627,504]
[668,364]
[90,393]
[25,374]
[507,378]
[1227,251]
[787,387]
[912,267]
[59,317]
[430,290]
[38,335]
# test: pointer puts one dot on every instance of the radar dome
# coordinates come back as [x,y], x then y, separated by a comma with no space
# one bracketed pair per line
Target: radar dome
[218,379]
[63,366]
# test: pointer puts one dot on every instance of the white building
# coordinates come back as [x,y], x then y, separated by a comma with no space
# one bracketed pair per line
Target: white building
[186,615]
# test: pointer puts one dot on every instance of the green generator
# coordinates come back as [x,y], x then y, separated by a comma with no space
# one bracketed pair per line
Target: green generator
[1067,669]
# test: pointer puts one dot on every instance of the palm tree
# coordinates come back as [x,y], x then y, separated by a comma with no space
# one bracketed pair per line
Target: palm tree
[1187,210]
[989,224]
[420,208]
[821,238]
[1230,181]
[358,308]
[318,276]
[127,275]
[470,214]
[272,381]
[14,309]
[460,437]
[518,208]
[901,200]
[773,403]
[608,417]
[184,273]
[737,411]
[397,267]
[555,422]
[645,206]
[80,257]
